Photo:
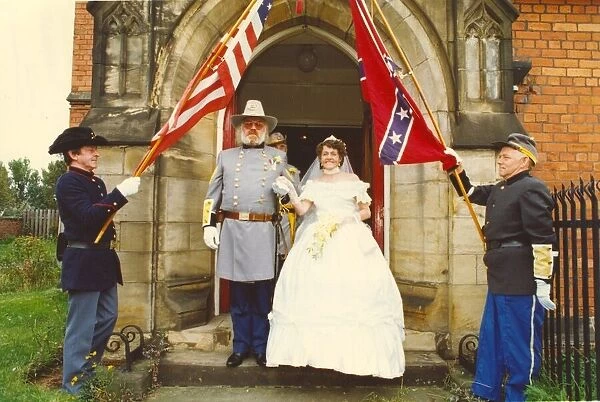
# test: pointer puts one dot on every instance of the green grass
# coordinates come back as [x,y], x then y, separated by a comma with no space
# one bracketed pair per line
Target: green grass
[31,331]
[28,263]
[5,244]
[32,320]
[548,389]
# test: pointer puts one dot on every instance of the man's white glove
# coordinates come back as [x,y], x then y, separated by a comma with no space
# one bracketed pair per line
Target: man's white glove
[543,294]
[129,186]
[452,161]
[211,237]
[283,186]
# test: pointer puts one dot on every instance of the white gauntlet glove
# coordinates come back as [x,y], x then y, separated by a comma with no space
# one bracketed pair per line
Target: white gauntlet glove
[211,237]
[543,294]
[452,161]
[129,186]
[283,186]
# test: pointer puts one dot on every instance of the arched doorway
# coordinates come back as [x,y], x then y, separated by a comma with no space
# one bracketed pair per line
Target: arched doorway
[312,86]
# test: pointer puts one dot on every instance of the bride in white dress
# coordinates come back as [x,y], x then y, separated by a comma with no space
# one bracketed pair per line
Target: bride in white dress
[336,303]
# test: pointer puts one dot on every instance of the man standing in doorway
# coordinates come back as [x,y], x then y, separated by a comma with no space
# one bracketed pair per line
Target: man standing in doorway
[241,198]
[90,271]
[519,237]
[288,215]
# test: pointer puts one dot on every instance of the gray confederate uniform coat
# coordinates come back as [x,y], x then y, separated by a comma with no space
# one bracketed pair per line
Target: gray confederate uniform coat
[241,183]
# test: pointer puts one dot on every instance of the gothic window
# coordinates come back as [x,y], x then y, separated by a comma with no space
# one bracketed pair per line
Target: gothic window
[482,52]
[123,39]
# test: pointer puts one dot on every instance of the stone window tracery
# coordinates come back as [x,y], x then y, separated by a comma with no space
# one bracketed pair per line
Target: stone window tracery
[123,33]
[483,57]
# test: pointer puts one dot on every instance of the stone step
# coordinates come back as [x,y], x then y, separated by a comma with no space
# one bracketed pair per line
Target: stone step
[189,367]
[216,335]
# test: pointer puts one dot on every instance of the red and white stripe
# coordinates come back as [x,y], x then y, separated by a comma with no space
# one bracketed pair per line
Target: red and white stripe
[214,91]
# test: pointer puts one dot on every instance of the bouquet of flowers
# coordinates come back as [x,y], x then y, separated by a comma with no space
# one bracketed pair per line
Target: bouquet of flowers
[324,229]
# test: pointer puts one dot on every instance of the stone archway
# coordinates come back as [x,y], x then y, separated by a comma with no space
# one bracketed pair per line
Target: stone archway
[416,196]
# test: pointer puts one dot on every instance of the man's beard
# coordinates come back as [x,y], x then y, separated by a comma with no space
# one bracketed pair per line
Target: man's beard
[262,135]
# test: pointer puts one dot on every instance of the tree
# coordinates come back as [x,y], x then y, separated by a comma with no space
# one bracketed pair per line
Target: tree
[22,187]
[49,177]
[34,191]
[21,175]
[7,198]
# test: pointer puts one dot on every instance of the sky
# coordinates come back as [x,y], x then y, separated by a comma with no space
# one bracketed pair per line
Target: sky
[35,77]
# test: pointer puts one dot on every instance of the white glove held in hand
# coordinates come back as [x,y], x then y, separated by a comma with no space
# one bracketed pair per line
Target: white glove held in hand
[283,186]
[543,294]
[211,237]
[129,186]
[452,152]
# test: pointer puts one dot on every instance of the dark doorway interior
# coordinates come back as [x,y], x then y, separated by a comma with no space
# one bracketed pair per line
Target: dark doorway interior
[302,144]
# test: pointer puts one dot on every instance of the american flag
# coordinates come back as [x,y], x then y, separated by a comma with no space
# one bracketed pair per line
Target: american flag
[212,92]
[400,132]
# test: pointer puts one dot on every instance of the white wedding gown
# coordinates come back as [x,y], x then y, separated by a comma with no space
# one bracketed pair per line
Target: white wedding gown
[341,310]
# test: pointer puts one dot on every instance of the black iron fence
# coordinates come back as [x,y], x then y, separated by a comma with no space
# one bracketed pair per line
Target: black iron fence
[571,357]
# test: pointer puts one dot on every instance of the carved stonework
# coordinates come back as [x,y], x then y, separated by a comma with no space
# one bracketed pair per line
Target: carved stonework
[484,67]
[483,55]
[124,36]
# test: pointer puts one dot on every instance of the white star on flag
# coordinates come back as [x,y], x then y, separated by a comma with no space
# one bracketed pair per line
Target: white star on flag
[395,137]
[403,114]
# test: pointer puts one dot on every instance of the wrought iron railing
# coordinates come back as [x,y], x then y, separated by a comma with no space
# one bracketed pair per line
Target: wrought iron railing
[128,343]
[571,356]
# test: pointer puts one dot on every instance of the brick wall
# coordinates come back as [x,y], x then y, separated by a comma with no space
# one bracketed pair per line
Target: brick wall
[559,103]
[10,227]
[83,41]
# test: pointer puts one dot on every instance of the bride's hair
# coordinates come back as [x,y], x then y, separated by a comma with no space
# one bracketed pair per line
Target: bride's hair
[334,143]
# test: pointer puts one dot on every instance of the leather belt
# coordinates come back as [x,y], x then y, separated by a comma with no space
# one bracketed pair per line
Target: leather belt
[83,244]
[504,243]
[247,216]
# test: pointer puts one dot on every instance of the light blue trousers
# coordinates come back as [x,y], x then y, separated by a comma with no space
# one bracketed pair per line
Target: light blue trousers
[90,321]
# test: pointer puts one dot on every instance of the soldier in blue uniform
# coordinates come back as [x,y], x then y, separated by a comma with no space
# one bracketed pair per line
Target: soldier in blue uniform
[240,197]
[519,238]
[90,272]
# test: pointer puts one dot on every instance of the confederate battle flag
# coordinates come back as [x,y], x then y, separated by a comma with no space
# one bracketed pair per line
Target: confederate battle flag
[400,132]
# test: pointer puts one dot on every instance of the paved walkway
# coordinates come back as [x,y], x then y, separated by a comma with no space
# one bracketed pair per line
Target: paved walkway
[301,394]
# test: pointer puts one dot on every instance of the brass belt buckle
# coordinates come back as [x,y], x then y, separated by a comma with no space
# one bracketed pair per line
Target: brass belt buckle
[244,216]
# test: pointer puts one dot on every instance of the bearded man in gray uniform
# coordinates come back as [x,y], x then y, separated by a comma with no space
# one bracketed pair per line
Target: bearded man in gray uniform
[241,198]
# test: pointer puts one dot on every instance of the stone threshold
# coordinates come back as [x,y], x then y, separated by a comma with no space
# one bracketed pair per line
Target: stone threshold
[216,335]
[188,367]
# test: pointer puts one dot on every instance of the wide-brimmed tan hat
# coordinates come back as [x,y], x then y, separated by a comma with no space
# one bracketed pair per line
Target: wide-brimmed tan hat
[522,143]
[254,109]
